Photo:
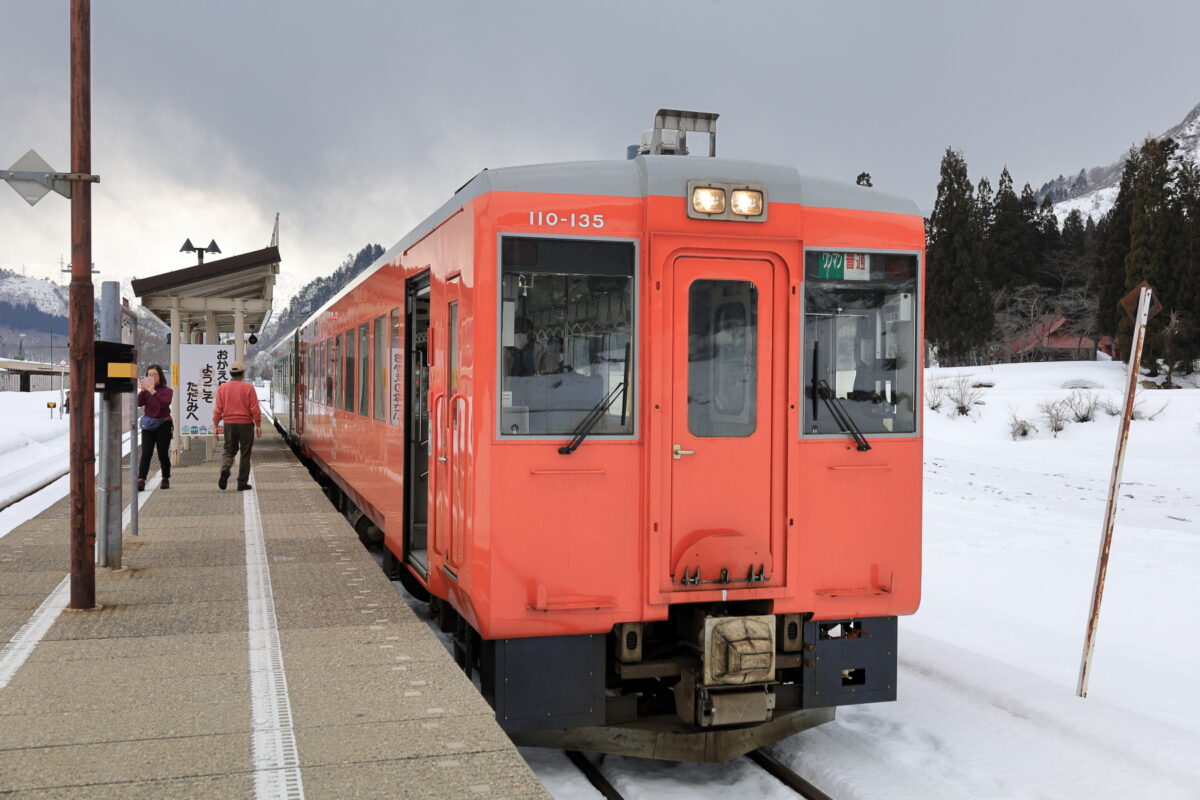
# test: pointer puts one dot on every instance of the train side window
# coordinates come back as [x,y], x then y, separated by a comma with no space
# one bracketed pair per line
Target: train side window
[319,383]
[348,395]
[860,341]
[330,370]
[338,348]
[722,358]
[379,367]
[364,369]
[566,336]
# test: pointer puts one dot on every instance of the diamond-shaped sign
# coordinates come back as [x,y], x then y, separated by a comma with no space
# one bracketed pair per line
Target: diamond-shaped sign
[38,179]
[1130,302]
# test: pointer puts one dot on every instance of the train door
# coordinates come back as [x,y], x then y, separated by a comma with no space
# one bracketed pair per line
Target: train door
[723,422]
[450,423]
[301,382]
[416,426]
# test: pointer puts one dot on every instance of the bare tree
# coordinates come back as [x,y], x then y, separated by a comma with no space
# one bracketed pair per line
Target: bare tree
[963,395]
[1018,313]
[1056,414]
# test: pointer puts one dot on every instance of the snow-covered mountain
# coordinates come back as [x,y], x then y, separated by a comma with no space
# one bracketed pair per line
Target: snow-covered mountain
[1100,184]
[44,295]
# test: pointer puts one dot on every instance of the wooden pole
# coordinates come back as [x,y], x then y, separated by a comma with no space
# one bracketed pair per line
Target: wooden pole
[83,322]
[1114,485]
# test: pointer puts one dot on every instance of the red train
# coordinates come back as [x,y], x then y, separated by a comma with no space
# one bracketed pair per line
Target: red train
[647,435]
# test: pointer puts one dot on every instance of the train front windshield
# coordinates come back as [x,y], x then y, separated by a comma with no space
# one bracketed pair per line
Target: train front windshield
[566,332]
[860,339]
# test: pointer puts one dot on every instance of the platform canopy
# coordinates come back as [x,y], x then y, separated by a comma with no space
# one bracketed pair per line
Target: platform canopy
[243,283]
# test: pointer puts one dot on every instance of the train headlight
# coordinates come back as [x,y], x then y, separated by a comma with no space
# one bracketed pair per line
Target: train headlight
[707,200]
[747,202]
[711,200]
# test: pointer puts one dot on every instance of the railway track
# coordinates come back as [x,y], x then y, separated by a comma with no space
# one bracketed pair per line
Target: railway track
[767,762]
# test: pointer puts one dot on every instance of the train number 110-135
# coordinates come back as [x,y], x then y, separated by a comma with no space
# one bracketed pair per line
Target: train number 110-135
[569,220]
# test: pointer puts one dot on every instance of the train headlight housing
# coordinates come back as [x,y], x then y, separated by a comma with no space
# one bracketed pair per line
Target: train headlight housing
[747,202]
[708,200]
[717,200]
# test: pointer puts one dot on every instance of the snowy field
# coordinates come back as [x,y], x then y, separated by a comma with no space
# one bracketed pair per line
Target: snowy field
[34,447]
[988,665]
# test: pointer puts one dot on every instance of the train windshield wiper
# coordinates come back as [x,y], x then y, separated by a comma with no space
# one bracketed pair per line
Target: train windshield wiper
[821,389]
[840,415]
[594,416]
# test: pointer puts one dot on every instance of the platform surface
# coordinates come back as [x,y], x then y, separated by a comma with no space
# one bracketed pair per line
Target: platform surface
[192,681]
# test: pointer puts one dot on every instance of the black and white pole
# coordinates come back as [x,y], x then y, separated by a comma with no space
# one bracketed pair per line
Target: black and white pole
[1110,513]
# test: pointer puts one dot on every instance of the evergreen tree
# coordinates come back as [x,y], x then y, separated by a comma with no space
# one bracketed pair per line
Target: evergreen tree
[958,300]
[1046,226]
[1074,235]
[1187,260]
[1011,241]
[1152,228]
[1113,245]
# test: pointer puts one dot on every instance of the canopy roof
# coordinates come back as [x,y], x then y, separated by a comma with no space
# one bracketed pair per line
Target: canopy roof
[219,286]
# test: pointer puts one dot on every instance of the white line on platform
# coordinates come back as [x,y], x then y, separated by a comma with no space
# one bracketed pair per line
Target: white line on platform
[276,759]
[18,648]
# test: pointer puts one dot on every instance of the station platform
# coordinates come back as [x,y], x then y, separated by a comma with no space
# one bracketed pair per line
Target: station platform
[250,648]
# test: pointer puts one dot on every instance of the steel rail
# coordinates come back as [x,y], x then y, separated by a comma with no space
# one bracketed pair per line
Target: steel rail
[786,776]
[593,775]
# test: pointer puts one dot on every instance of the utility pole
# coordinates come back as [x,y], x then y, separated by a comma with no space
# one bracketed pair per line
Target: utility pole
[83,323]
[33,178]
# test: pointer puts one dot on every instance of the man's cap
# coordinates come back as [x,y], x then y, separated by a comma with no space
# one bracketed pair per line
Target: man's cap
[237,366]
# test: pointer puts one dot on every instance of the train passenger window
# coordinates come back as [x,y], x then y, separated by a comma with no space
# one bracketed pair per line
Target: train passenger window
[348,395]
[330,371]
[319,383]
[722,358]
[379,366]
[338,349]
[396,370]
[859,341]
[364,369]
[566,336]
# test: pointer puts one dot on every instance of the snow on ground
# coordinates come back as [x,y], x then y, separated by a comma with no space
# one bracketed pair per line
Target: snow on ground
[34,447]
[988,665]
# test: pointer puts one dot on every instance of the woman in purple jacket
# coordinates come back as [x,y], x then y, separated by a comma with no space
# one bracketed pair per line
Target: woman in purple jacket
[156,424]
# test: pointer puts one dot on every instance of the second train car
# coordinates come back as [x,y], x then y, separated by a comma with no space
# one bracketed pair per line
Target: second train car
[647,433]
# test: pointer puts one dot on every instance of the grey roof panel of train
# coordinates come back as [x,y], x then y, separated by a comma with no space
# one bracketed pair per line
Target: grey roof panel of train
[646,176]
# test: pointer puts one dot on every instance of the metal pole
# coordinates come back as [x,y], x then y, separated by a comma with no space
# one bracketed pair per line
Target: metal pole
[239,330]
[175,334]
[1110,511]
[110,443]
[133,444]
[102,480]
[83,333]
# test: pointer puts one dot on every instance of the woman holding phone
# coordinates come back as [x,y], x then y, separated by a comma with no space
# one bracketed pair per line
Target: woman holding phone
[156,424]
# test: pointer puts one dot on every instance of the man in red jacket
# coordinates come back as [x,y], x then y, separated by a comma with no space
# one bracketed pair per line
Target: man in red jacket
[237,404]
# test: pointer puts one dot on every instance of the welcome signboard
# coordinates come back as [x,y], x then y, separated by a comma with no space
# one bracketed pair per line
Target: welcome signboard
[202,370]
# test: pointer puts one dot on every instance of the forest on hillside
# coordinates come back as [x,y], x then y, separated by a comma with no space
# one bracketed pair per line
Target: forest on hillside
[1001,270]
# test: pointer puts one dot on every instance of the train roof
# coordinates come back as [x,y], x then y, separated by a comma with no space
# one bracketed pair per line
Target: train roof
[645,176]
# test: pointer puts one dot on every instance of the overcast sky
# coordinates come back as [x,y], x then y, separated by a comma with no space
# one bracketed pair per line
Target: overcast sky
[357,119]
